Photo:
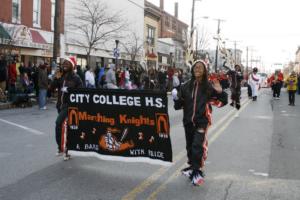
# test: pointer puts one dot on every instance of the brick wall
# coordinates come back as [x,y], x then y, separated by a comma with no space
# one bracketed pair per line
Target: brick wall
[5,11]
[27,13]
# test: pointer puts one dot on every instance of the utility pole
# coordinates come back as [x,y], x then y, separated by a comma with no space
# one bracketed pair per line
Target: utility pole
[217,48]
[235,53]
[192,22]
[247,49]
[196,54]
[56,43]
[192,25]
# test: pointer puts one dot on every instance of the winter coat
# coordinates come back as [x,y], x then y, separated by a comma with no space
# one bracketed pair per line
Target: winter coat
[235,78]
[42,78]
[69,80]
[291,82]
[3,70]
[12,73]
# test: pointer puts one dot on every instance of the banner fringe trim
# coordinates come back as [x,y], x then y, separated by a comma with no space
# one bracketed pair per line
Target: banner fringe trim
[119,158]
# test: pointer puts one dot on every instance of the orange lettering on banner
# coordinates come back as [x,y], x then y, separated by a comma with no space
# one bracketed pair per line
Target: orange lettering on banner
[136,121]
[84,116]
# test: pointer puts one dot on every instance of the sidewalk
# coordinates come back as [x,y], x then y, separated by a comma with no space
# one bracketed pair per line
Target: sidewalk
[9,105]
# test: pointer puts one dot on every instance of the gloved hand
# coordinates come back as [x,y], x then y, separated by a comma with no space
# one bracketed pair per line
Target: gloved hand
[174,94]
[64,89]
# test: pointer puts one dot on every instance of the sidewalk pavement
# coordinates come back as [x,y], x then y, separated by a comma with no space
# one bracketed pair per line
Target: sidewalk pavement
[9,105]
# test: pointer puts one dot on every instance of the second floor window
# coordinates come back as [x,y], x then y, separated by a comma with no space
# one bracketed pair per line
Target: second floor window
[36,12]
[16,11]
[151,35]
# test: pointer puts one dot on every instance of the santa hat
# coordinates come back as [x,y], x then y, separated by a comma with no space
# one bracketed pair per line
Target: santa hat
[72,60]
[194,64]
[199,61]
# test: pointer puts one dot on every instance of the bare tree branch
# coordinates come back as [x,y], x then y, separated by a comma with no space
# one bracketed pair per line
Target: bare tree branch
[97,25]
[133,47]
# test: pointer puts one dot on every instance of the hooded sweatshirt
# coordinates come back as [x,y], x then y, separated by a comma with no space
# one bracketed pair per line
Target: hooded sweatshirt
[196,102]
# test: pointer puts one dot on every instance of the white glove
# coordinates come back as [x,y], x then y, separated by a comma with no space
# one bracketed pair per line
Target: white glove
[64,89]
[174,94]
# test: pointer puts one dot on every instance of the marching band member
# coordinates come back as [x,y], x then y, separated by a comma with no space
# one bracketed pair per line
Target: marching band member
[236,78]
[254,82]
[195,97]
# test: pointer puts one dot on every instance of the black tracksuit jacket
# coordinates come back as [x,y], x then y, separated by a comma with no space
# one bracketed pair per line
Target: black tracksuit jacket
[197,105]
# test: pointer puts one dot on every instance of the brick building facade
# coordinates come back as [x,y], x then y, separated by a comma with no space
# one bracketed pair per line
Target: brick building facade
[30,25]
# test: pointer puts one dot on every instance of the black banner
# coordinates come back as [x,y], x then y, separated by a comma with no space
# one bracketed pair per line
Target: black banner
[126,125]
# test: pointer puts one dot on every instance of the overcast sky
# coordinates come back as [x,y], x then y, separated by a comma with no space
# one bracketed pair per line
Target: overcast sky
[270,27]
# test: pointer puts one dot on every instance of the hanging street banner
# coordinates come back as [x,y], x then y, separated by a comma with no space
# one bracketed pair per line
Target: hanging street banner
[124,125]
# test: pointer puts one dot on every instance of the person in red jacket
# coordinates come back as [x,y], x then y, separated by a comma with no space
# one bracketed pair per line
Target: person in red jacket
[12,77]
[276,81]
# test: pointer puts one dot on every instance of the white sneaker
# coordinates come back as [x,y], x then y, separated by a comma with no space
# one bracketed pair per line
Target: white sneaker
[43,108]
[197,177]
[67,157]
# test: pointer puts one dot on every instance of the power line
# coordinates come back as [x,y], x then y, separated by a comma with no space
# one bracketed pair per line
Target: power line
[136,4]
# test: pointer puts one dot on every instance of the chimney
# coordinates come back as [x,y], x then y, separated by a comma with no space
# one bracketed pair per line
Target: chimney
[176,10]
[162,5]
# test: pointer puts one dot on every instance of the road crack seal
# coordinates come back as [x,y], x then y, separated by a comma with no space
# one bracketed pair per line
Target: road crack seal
[227,190]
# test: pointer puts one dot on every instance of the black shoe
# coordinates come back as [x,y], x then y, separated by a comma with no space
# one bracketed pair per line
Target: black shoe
[232,104]
[187,171]
[238,106]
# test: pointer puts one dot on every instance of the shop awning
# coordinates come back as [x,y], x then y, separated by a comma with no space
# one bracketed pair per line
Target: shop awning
[37,37]
[3,33]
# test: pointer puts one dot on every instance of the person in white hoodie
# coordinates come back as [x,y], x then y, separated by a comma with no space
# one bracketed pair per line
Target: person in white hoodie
[254,82]
[111,78]
[90,78]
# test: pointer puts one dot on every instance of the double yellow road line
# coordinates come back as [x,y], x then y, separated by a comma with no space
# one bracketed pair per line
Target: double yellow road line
[219,127]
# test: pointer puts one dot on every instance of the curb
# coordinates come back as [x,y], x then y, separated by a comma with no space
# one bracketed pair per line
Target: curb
[9,105]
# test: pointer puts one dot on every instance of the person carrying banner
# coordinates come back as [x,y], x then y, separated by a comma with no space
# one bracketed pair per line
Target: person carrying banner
[236,78]
[196,97]
[69,80]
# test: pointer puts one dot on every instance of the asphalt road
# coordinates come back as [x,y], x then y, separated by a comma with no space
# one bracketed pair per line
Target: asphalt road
[253,154]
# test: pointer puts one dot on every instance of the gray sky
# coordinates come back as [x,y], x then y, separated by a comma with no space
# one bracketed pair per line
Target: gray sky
[270,27]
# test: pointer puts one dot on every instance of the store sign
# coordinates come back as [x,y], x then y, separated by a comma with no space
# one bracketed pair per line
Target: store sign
[30,44]
[22,37]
